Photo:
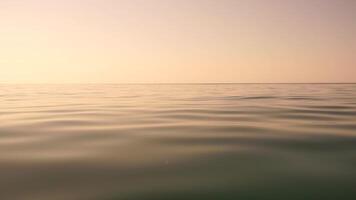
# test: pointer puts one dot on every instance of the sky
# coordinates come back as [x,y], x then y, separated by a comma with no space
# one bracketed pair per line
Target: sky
[177,41]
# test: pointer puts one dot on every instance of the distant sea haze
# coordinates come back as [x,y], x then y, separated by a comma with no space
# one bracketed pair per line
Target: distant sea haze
[178,142]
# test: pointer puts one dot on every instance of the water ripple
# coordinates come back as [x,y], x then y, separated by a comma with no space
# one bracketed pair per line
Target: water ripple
[137,142]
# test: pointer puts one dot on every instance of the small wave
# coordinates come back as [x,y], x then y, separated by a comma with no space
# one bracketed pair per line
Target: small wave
[133,142]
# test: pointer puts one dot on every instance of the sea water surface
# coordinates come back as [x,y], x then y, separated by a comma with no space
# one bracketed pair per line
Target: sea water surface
[178,142]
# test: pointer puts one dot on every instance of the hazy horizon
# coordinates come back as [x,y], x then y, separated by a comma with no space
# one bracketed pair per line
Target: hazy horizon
[201,41]
[177,99]
[163,83]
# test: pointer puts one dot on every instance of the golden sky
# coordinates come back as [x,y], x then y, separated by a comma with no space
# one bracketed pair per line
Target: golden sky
[168,41]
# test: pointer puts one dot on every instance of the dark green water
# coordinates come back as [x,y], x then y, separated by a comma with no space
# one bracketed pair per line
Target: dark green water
[178,142]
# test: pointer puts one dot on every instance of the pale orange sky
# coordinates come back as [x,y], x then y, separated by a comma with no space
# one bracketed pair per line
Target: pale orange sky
[167,41]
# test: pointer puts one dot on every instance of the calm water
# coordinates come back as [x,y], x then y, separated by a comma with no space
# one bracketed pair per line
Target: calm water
[155,142]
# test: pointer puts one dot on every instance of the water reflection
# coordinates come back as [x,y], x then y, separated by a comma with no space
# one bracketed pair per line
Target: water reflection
[229,141]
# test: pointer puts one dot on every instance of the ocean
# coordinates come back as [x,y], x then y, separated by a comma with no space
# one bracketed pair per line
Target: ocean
[178,142]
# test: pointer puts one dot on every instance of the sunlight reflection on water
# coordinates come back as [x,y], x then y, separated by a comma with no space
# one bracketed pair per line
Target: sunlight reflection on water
[224,141]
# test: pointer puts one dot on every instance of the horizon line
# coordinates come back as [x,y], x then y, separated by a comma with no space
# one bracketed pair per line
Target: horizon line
[178,83]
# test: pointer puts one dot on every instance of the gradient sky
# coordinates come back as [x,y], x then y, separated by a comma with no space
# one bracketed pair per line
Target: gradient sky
[155,41]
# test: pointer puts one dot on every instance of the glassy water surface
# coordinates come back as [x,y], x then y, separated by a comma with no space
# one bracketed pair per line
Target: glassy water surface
[152,142]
